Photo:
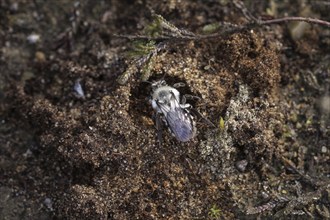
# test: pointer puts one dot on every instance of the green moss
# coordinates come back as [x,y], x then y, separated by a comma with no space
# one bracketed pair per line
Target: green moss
[214,212]
[221,124]
[141,48]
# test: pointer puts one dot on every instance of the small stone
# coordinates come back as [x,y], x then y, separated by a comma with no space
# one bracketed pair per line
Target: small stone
[324,149]
[48,203]
[241,165]
[33,38]
[39,57]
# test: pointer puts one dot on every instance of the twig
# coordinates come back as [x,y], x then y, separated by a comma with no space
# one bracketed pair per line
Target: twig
[303,200]
[291,204]
[307,179]
[303,19]
[241,6]
[225,32]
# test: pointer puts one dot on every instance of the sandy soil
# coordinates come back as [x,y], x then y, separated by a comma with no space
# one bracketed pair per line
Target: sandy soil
[92,152]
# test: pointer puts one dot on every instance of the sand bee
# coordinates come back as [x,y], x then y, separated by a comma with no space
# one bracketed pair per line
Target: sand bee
[172,111]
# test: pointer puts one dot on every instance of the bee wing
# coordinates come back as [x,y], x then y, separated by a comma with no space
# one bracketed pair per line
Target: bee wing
[180,121]
[181,125]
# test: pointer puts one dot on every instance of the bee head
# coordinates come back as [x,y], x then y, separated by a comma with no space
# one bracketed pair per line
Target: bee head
[158,84]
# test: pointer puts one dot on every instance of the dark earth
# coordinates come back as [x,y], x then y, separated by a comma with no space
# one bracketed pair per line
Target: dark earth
[93,153]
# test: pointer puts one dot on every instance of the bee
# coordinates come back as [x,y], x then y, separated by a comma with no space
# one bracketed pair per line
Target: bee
[172,112]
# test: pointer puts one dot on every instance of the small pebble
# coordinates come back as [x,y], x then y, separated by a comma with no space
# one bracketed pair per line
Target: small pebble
[241,165]
[40,57]
[324,149]
[48,203]
[33,38]
[78,89]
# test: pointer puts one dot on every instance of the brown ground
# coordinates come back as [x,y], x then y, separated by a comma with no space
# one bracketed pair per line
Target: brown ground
[97,157]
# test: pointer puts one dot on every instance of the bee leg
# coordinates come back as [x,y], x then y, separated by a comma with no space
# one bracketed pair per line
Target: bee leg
[199,115]
[185,106]
[191,97]
[159,127]
[178,85]
[184,100]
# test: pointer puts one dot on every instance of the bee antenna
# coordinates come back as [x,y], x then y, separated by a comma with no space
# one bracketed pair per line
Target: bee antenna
[163,77]
[146,81]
